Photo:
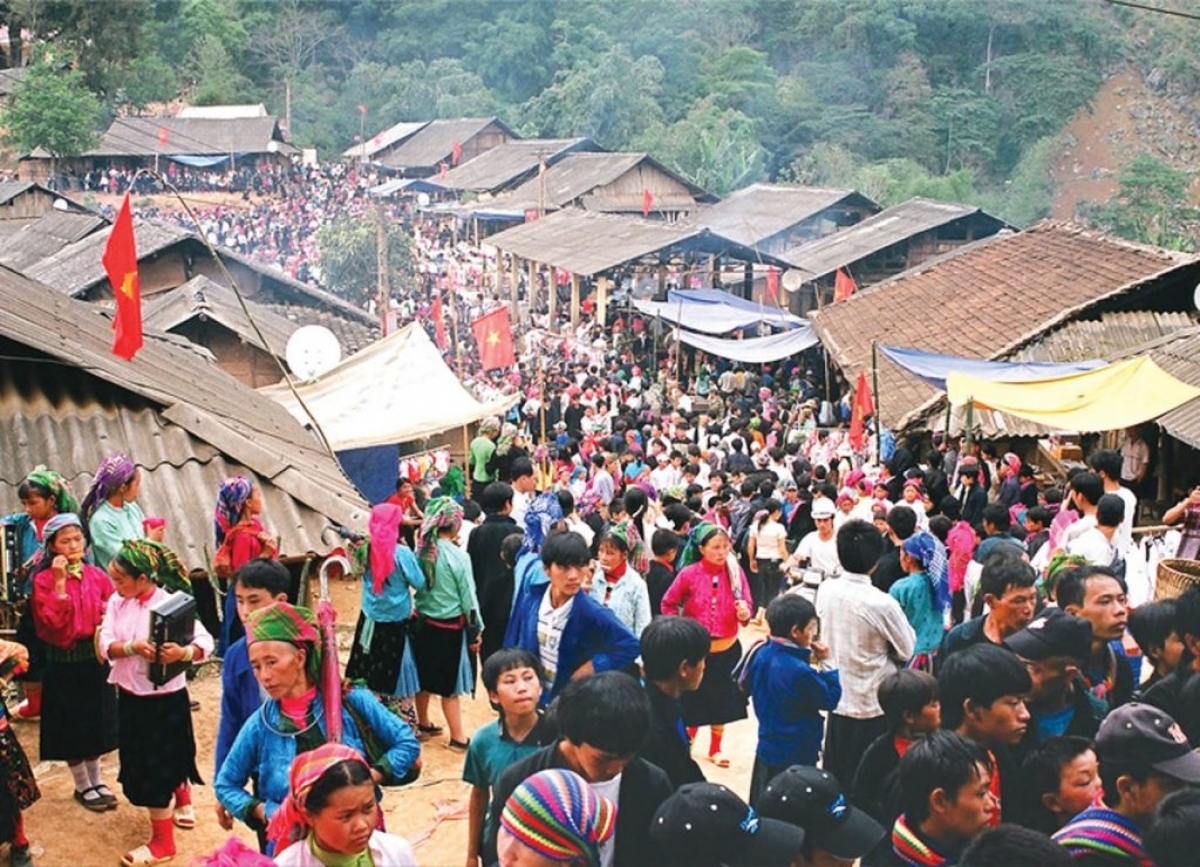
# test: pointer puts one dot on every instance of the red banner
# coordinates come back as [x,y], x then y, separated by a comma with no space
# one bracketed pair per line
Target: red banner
[121,264]
[493,334]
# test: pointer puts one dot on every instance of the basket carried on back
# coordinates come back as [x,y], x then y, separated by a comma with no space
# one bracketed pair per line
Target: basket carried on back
[1176,576]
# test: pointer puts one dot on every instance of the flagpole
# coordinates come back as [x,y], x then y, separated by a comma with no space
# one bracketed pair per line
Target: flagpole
[875,387]
[458,357]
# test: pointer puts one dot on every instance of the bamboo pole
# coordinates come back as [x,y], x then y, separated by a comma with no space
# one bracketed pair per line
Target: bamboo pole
[875,387]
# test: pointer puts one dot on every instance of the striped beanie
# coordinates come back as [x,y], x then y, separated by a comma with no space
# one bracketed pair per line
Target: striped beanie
[556,814]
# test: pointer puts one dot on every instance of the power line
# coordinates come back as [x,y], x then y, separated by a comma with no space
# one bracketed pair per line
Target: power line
[1175,12]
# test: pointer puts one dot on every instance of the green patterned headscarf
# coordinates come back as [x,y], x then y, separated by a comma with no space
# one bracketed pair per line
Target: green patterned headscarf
[699,536]
[156,561]
[281,621]
[453,483]
[441,513]
[1058,564]
[48,480]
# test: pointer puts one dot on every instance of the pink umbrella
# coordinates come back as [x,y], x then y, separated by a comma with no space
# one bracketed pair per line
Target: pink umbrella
[331,675]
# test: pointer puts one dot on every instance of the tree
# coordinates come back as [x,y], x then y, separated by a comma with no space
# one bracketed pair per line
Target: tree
[1151,205]
[288,43]
[52,107]
[215,77]
[349,257]
[717,148]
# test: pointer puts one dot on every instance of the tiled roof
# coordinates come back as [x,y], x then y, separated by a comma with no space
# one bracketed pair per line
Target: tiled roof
[985,300]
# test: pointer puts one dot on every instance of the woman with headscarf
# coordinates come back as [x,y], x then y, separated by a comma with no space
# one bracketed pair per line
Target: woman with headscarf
[449,627]
[382,655]
[479,455]
[1010,485]
[285,649]
[616,584]
[109,512]
[711,589]
[332,815]
[156,743]
[79,722]
[44,494]
[925,594]
[509,447]
[236,524]
[544,515]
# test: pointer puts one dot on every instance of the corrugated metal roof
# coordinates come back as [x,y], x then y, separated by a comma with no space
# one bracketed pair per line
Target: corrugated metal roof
[78,266]
[45,237]
[9,190]
[352,334]
[508,163]
[985,300]
[1179,355]
[195,136]
[67,401]
[384,140]
[758,212]
[223,112]
[1113,335]
[432,144]
[891,226]
[201,298]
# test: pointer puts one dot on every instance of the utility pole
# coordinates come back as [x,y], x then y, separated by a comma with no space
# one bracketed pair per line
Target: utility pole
[381,267]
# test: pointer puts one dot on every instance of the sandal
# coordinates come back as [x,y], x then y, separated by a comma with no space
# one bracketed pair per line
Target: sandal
[458,746]
[143,857]
[719,760]
[185,817]
[95,803]
[430,730]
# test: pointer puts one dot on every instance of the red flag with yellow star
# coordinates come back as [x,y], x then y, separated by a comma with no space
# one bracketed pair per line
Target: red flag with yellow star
[493,334]
[121,263]
[860,410]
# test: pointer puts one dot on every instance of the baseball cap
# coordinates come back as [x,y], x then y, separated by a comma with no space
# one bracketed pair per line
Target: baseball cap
[1052,633]
[823,508]
[706,824]
[1137,733]
[812,799]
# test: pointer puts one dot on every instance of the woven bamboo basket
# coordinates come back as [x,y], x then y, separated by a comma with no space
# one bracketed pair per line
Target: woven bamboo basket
[1176,576]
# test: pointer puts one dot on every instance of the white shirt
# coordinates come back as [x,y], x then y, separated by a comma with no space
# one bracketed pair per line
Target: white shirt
[1124,537]
[610,789]
[520,505]
[768,537]
[1093,546]
[1135,454]
[868,636]
[821,554]
[551,622]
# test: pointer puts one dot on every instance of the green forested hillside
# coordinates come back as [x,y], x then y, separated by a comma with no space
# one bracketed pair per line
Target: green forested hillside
[951,98]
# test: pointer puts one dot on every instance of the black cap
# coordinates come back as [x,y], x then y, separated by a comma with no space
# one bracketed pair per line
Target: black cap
[812,799]
[1141,734]
[706,824]
[1052,633]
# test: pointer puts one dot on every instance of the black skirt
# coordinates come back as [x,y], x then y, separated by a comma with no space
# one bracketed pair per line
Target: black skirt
[158,748]
[718,700]
[439,649]
[18,787]
[79,706]
[380,665]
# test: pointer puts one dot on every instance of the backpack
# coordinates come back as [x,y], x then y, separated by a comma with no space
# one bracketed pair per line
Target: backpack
[222,561]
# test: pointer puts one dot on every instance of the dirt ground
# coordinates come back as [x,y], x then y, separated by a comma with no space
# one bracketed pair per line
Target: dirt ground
[431,813]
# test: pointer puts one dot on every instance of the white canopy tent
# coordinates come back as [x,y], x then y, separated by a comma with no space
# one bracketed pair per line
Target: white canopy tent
[396,390]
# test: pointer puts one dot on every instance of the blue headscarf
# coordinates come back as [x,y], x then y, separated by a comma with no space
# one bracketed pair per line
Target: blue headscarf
[927,550]
[543,514]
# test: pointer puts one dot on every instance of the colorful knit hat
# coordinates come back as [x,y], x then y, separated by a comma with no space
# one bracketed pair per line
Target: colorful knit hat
[282,621]
[440,513]
[558,815]
[51,481]
[156,561]
[290,822]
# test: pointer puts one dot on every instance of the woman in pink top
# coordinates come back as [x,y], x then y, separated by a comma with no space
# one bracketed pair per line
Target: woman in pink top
[79,706]
[711,589]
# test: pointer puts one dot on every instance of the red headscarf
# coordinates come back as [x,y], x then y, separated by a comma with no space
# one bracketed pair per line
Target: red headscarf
[384,530]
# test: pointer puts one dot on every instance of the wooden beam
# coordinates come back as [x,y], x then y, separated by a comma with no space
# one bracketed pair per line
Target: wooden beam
[574,303]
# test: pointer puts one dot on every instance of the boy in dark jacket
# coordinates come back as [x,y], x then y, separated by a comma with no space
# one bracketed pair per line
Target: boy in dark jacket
[673,654]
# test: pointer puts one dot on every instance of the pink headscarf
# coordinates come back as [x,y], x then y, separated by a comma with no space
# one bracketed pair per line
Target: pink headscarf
[384,530]
[1013,462]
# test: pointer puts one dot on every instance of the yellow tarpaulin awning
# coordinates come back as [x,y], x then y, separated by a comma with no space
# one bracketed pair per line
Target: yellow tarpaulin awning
[1117,396]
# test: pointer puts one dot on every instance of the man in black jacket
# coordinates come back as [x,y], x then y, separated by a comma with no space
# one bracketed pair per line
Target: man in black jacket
[673,653]
[604,720]
[493,577]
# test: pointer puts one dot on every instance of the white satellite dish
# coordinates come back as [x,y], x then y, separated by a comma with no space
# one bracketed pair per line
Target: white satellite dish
[423,199]
[60,205]
[792,281]
[312,350]
[1196,297]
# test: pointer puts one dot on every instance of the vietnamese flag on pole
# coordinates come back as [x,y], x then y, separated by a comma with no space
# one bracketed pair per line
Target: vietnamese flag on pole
[493,334]
[439,323]
[121,263]
[860,410]
[843,286]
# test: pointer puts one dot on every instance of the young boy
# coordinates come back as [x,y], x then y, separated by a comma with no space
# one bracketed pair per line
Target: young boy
[513,680]
[1037,529]
[664,545]
[256,584]
[909,699]
[790,687]
[1062,778]
[674,650]
[1153,628]
[983,691]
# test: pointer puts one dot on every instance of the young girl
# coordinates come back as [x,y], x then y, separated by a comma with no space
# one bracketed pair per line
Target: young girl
[382,654]
[615,584]
[79,723]
[236,519]
[18,787]
[924,594]
[332,816]
[157,746]
[110,513]
[44,494]
[767,549]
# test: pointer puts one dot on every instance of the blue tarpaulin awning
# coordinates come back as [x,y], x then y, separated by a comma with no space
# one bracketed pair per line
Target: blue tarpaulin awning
[933,368]
[199,162]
